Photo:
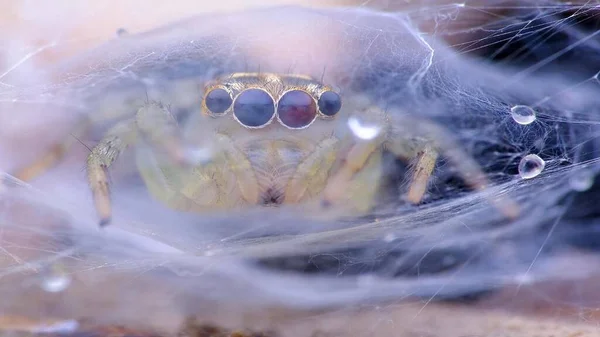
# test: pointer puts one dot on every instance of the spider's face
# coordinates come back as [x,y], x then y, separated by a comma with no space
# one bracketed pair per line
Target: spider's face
[276,122]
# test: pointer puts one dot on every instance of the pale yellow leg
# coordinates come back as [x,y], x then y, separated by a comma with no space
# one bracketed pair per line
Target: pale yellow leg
[412,137]
[103,155]
[422,170]
[474,176]
[188,190]
[185,181]
[312,173]
[224,183]
[53,156]
[362,191]
[354,161]
[57,152]
[159,128]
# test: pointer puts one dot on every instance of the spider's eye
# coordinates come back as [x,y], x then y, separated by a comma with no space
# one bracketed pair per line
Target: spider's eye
[254,108]
[330,103]
[218,101]
[296,109]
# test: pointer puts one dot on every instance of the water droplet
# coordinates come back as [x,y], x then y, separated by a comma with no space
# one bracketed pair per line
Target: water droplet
[211,252]
[363,130]
[366,280]
[389,237]
[198,155]
[582,181]
[522,114]
[60,327]
[531,166]
[56,280]
[524,279]
[56,283]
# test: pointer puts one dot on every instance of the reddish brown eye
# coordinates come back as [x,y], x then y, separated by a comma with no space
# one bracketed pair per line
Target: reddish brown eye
[296,109]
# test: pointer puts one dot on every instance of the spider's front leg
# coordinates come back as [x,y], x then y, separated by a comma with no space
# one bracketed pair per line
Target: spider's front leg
[154,124]
[158,128]
[188,175]
[356,177]
[420,142]
[108,113]
[54,155]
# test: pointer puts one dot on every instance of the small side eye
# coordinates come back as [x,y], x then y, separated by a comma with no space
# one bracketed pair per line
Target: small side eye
[218,101]
[330,103]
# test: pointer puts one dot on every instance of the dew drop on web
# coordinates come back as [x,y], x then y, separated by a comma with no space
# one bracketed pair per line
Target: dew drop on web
[389,237]
[363,130]
[56,282]
[198,155]
[366,281]
[522,114]
[581,181]
[69,326]
[531,166]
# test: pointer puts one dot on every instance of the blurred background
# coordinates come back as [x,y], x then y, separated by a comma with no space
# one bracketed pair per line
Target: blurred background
[29,25]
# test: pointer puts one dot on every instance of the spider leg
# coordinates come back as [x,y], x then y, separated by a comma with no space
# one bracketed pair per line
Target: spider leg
[187,179]
[53,156]
[312,172]
[103,155]
[411,137]
[421,172]
[355,160]
[107,113]
[152,122]
[159,128]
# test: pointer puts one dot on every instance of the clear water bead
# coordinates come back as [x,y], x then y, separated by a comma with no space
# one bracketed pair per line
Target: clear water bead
[363,130]
[366,281]
[525,278]
[61,327]
[522,114]
[531,166]
[389,237]
[198,155]
[581,181]
[56,283]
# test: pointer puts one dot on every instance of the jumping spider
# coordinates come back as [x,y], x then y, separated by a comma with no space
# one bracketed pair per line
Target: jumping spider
[273,139]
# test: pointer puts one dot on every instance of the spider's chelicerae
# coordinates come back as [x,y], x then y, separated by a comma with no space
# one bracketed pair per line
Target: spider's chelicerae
[269,139]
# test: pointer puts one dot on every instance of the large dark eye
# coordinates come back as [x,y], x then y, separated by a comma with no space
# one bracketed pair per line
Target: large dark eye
[330,103]
[254,108]
[296,109]
[218,101]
